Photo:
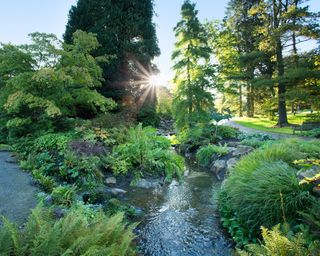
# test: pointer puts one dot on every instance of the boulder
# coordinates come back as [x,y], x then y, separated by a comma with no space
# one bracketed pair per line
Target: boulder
[48,200]
[231,149]
[233,144]
[241,151]
[110,180]
[219,168]
[309,173]
[147,184]
[117,191]
[231,163]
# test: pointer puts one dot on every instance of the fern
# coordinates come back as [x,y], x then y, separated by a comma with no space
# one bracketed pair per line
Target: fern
[275,243]
[75,234]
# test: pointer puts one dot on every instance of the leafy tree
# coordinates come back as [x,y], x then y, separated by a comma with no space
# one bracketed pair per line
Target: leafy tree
[36,95]
[282,19]
[193,72]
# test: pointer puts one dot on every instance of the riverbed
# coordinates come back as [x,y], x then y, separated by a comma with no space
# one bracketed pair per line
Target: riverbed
[181,218]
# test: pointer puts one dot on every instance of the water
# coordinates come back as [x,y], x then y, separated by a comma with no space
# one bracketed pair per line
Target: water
[181,219]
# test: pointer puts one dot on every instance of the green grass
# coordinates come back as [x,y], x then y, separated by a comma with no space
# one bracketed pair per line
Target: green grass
[266,125]
[4,147]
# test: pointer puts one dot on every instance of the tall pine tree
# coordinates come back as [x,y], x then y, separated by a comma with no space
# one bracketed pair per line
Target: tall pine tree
[193,73]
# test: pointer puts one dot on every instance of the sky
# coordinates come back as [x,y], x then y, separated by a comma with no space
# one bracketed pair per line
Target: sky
[18,18]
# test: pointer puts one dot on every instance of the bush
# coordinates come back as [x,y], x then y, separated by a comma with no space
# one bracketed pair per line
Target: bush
[145,153]
[262,190]
[227,132]
[64,195]
[315,133]
[148,115]
[276,242]
[193,138]
[77,233]
[206,153]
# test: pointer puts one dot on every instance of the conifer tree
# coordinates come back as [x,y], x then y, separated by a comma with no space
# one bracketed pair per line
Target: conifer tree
[193,72]
[125,31]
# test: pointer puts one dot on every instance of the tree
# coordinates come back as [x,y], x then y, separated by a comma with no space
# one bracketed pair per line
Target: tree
[193,72]
[284,20]
[125,31]
[35,99]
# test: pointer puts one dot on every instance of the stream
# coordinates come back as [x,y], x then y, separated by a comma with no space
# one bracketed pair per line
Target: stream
[181,219]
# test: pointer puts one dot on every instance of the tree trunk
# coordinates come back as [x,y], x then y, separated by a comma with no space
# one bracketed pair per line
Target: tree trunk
[282,111]
[240,101]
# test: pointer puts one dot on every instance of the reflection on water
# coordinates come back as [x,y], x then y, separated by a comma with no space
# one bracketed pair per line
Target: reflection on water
[181,219]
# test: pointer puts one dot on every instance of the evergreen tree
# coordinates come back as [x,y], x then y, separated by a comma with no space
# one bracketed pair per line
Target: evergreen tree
[125,31]
[193,72]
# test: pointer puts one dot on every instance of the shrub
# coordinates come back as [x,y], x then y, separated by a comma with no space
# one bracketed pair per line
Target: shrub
[205,154]
[227,132]
[193,138]
[47,183]
[315,133]
[74,234]
[145,153]
[64,195]
[262,190]
[52,142]
[276,242]
[148,115]
[255,143]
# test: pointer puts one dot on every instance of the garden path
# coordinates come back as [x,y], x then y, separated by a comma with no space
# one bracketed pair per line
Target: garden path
[250,130]
[17,193]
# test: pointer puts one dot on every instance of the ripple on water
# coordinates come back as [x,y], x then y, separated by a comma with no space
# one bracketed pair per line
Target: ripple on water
[186,222]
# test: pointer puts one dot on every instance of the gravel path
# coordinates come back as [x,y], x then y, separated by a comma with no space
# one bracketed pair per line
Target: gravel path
[250,130]
[17,194]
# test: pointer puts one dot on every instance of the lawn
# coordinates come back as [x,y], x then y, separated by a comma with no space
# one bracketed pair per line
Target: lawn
[265,124]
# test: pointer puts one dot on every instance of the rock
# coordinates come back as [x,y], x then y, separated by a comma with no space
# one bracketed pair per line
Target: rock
[117,191]
[137,211]
[231,163]
[48,200]
[231,149]
[316,191]
[59,212]
[219,168]
[147,184]
[234,144]
[110,180]
[309,173]
[241,151]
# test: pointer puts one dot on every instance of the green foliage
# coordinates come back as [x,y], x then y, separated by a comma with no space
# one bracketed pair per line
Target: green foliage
[255,140]
[191,139]
[47,183]
[205,154]
[52,160]
[74,234]
[64,195]
[148,116]
[315,133]
[193,72]
[125,31]
[63,83]
[276,242]
[262,190]
[227,132]
[312,218]
[145,153]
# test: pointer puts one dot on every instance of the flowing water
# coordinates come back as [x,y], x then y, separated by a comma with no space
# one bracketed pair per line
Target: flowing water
[181,219]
